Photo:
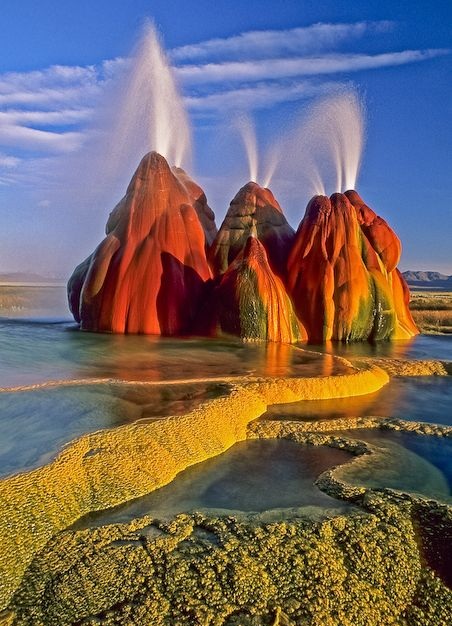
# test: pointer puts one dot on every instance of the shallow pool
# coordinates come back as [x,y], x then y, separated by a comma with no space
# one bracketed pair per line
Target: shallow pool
[35,424]
[419,464]
[252,476]
[419,399]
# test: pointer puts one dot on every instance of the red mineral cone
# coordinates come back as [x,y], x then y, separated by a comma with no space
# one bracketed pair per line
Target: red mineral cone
[253,211]
[251,302]
[381,237]
[148,274]
[199,202]
[341,273]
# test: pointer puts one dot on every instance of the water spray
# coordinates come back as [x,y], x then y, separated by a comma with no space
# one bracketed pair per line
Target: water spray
[247,131]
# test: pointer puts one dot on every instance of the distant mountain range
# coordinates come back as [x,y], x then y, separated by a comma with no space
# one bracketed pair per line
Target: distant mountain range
[432,280]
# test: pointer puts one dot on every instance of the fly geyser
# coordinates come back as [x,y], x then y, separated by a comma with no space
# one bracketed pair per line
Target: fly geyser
[342,273]
[163,269]
[148,273]
[253,210]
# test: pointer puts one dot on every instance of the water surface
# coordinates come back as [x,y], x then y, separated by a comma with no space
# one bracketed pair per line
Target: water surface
[252,476]
[419,464]
[35,424]
[435,347]
[38,351]
[419,399]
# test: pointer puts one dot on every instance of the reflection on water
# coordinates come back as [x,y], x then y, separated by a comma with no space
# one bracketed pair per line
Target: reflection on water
[34,352]
[50,347]
[437,347]
[35,424]
[252,476]
[419,399]
[39,351]
[415,463]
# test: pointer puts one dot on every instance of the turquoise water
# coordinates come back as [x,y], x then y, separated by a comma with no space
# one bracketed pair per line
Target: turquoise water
[34,425]
[57,382]
[38,351]
[419,399]
[251,477]
[415,463]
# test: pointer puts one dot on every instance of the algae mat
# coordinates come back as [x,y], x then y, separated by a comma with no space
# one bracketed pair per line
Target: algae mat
[106,468]
[366,568]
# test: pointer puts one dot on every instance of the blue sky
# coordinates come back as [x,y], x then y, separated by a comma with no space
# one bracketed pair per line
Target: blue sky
[270,59]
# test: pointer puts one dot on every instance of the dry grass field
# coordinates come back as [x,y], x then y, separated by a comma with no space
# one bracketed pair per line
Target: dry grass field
[13,298]
[22,300]
[432,311]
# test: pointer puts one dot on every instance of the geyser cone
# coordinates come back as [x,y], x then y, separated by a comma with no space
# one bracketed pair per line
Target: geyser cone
[251,302]
[148,273]
[253,211]
[340,280]
[199,202]
[381,237]
[388,248]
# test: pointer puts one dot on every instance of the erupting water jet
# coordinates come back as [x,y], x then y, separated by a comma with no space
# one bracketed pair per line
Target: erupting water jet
[150,107]
[141,109]
[342,120]
[323,150]
[247,132]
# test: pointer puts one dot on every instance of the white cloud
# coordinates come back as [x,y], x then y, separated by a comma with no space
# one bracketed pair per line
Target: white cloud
[301,66]
[51,76]
[267,43]
[49,97]
[8,162]
[33,139]
[56,84]
[259,96]
[34,104]
[47,118]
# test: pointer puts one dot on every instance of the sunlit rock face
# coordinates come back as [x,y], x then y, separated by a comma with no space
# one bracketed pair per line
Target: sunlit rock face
[388,248]
[342,273]
[253,211]
[164,269]
[380,236]
[250,301]
[199,202]
[148,274]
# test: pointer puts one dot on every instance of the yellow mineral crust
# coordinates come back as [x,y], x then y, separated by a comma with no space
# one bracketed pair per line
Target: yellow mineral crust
[402,367]
[366,567]
[109,467]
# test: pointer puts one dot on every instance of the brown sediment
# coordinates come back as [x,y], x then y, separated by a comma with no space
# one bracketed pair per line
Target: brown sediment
[106,468]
